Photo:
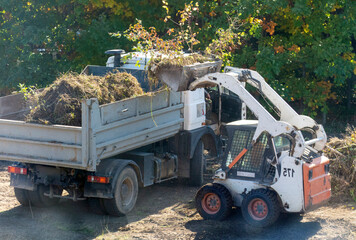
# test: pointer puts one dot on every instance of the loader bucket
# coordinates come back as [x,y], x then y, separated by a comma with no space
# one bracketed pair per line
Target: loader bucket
[179,79]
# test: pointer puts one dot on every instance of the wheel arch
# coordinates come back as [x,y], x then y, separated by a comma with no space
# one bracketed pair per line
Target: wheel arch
[110,168]
[209,139]
[277,195]
[137,169]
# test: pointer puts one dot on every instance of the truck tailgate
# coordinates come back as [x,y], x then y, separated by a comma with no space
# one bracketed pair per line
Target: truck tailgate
[44,144]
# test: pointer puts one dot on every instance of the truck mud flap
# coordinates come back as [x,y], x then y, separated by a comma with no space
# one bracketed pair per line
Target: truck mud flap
[22,181]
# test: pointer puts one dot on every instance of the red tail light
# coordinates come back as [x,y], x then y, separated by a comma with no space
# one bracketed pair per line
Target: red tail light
[97,179]
[17,170]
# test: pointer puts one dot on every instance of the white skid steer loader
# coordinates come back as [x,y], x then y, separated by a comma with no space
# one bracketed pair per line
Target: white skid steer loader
[269,165]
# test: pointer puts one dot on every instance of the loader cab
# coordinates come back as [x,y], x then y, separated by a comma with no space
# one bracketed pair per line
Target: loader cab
[260,163]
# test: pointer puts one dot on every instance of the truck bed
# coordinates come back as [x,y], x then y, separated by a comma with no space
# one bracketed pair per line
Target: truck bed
[106,130]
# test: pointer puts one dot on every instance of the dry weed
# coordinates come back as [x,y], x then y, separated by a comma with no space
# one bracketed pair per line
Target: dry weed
[60,103]
[342,155]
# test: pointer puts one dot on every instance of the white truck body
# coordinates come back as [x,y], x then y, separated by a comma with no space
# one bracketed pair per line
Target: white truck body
[106,130]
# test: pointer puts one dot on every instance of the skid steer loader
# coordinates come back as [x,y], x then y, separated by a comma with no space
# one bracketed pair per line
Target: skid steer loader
[269,165]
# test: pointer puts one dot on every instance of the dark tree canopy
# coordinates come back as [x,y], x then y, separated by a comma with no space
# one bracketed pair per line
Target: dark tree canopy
[304,48]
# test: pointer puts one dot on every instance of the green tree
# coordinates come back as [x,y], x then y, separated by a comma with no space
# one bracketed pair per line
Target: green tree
[304,48]
[41,39]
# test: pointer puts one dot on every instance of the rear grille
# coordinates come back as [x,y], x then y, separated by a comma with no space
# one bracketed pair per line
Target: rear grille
[309,155]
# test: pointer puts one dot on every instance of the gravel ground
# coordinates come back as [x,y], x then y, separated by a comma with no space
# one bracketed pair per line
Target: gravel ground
[164,211]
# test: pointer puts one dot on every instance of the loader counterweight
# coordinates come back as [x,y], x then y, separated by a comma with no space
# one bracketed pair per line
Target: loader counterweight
[317,182]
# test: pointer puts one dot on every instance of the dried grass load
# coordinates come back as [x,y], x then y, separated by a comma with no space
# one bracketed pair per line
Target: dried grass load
[60,103]
[342,155]
[175,62]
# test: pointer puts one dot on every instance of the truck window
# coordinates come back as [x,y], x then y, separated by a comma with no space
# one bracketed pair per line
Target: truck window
[282,143]
[231,105]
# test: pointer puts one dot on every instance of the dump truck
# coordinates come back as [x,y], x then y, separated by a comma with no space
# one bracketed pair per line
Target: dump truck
[120,146]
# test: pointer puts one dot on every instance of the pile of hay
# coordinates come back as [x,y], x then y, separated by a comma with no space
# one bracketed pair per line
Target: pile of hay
[342,155]
[60,103]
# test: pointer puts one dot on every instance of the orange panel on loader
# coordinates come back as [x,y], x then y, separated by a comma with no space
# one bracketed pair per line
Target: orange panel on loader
[317,185]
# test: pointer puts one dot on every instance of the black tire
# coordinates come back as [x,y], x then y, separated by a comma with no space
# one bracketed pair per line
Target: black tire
[125,193]
[260,208]
[96,205]
[197,166]
[213,201]
[38,199]
[22,196]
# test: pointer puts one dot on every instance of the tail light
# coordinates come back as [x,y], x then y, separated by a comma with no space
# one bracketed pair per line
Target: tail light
[17,170]
[97,179]
[310,174]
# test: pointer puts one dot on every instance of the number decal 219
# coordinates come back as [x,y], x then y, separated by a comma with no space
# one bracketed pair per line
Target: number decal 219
[288,172]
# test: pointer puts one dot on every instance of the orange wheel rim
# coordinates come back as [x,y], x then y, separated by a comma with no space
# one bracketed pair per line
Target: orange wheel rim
[211,203]
[258,209]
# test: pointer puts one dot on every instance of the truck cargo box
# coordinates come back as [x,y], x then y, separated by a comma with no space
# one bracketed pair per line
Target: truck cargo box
[106,130]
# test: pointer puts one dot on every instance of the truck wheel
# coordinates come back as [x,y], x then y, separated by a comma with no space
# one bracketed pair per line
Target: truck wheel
[38,199]
[96,205]
[260,208]
[125,193]
[197,166]
[213,201]
[22,196]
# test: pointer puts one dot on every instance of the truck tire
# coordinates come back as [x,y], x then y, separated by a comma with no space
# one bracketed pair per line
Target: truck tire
[96,205]
[125,193]
[213,201]
[197,166]
[260,208]
[22,196]
[38,199]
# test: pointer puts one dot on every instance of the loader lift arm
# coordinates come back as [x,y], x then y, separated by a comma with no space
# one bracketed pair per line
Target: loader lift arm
[287,113]
[290,122]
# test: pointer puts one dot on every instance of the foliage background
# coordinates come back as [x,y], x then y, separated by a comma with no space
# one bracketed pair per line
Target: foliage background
[304,48]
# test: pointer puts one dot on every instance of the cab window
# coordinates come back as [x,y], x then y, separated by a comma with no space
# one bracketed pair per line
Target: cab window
[282,143]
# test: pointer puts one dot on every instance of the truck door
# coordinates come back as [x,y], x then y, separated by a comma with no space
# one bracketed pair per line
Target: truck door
[222,106]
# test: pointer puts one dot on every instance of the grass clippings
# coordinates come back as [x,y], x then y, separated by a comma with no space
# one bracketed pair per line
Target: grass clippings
[60,103]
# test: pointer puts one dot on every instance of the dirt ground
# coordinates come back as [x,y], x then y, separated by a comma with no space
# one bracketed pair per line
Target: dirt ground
[163,211]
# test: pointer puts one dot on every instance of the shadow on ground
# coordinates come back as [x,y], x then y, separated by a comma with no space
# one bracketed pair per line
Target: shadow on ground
[73,220]
[288,226]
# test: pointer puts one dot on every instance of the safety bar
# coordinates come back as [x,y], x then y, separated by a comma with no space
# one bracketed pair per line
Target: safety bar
[312,141]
